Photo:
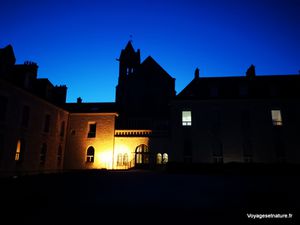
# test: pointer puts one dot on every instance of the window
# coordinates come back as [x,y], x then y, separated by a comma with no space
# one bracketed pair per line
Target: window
[142,154]
[25,116]
[165,158]
[92,130]
[18,151]
[3,108]
[90,154]
[158,158]
[43,153]
[47,123]
[119,160]
[59,155]
[186,118]
[276,117]
[125,159]
[62,129]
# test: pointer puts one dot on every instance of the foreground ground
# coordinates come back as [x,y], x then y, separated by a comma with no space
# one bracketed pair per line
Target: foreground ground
[140,197]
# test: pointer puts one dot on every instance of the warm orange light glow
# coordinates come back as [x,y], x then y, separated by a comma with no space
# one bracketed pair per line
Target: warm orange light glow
[126,142]
[122,150]
[104,160]
[18,151]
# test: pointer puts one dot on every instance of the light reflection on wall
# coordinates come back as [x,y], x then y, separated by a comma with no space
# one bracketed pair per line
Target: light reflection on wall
[127,143]
[103,159]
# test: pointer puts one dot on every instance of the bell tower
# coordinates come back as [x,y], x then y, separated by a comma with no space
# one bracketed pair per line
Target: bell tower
[128,63]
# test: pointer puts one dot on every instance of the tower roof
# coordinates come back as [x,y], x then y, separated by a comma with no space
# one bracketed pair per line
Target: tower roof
[129,52]
[129,47]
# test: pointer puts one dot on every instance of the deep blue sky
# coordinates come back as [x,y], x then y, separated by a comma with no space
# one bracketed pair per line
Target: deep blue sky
[76,42]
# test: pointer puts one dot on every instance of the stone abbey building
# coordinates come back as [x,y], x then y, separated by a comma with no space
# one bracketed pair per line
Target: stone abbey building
[250,118]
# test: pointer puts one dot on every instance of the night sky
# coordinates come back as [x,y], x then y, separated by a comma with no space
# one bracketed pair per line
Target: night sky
[76,43]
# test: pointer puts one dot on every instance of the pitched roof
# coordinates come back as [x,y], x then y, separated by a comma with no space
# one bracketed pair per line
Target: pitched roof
[129,47]
[266,86]
[150,66]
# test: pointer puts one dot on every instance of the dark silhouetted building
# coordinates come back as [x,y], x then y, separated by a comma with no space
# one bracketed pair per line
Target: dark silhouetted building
[251,119]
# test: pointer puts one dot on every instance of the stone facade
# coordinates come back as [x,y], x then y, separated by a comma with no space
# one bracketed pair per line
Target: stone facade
[34,126]
[81,138]
[237,119]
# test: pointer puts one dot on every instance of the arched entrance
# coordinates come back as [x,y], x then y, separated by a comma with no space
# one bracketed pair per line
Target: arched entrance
[142,155]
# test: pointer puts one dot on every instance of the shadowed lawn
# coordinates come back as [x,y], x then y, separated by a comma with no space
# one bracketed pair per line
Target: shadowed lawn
[140,197]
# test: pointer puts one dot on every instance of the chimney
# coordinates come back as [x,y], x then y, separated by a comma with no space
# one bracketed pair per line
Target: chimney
[79,100]
[197,72]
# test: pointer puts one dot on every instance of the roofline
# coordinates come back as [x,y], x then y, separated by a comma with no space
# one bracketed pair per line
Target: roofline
[95,114]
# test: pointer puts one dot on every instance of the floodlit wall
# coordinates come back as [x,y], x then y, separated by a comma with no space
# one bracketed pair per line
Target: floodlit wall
[81,137]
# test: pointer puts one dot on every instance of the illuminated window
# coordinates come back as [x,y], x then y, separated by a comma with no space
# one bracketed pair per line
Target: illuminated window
[186,118]
[18,151]
[276,117]
[90,154]
[158,158]
[43,153]
[59,155]
[62,129]
[25,116]
[125,159]
[142,154]
[92,130]
[165,158]
[119,160]
[47,123]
